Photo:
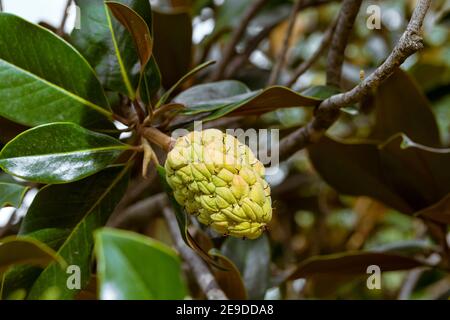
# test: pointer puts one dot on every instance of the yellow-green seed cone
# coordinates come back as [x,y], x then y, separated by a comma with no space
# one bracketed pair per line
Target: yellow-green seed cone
[218,179]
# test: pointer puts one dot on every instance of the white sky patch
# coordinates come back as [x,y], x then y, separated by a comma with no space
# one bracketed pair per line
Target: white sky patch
[50,11]
[110,292]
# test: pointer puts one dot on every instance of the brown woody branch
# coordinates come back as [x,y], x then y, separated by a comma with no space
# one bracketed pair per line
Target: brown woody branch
[203,275]
[328,111]
[64,18]
[336,55]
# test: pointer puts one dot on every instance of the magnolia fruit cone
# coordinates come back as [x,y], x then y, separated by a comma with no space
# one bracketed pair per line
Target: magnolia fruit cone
[218,179]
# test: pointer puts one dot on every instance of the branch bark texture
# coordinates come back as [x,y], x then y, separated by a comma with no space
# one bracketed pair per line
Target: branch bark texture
[328,111]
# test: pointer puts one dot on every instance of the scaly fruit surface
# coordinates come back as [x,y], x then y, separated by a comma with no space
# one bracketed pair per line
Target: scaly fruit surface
[218,179]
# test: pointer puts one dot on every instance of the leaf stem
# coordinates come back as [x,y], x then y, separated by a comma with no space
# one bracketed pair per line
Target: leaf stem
[159,138]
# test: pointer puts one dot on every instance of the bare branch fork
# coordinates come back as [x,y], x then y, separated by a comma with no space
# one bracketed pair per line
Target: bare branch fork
[239,32]
[328,111]
[235,62]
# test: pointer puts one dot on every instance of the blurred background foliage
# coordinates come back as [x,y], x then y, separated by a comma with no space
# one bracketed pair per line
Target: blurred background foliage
[330,198]
[311,217]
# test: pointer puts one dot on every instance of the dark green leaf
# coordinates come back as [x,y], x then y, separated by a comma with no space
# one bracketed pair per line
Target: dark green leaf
[354,169]
[230,280]
[173,44]
[353,263]
[252,258]
[11,194]
[109,47]
[191,73]
[321,92]
[439,212]
[402,108]
[14,251]
[65,217]
[205,95]
[43,79]
[59,153]
[400,173]
[407,247]
[419,173]
[245,103]
[134,267]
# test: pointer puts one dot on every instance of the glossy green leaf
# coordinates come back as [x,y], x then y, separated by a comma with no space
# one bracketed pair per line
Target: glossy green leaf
[134,267]
[11,194]
[402,108]
[59,153]
[173,44]
[15,251]
[109,47]
[353,263]
[244,103]
[68,226]
[43,79]
[400,173]
[252,258]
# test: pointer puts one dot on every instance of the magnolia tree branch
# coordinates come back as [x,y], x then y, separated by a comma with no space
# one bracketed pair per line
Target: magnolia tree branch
[336,55]
[328,111]
[239,60]
[205,278]
[236,36]
[281,59]
[140,213]
[303,67]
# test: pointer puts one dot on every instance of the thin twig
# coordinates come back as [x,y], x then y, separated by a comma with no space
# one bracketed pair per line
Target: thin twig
[341,35]
[303,67]
[239,60]
[203,275]
[328,111]
[140,213]
[410,283]
[238,33]
[64,18]
[281,59]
